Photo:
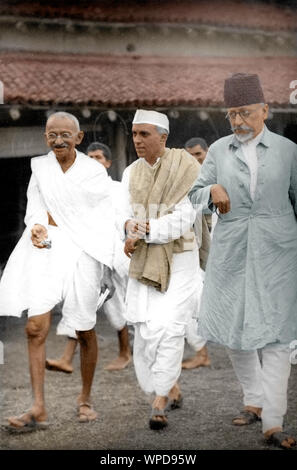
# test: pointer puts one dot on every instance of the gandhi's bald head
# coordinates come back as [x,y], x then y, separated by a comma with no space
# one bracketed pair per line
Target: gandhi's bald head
[63,115]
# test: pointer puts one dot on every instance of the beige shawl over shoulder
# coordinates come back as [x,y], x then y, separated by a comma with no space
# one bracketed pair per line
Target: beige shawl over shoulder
[154,193]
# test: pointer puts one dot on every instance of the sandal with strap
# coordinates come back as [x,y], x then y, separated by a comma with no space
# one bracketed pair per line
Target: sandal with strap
[247,417]
[174,403]
[24,423]
[279,438]
[84,417]
[157,424]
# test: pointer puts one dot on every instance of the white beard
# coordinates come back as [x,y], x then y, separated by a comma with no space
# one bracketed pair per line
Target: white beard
[243,138]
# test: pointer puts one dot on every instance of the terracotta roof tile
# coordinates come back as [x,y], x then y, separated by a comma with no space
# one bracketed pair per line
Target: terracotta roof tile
[125,81]
[242,13]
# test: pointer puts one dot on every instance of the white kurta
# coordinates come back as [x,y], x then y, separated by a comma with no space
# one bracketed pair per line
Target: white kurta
[250,155]
[159,318]
[79,202]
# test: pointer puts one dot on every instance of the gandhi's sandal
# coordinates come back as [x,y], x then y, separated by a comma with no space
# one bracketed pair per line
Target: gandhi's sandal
[157,424]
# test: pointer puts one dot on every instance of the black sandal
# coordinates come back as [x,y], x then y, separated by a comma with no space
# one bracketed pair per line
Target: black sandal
[277,439]
[157,424]
[248,416]
[175,403]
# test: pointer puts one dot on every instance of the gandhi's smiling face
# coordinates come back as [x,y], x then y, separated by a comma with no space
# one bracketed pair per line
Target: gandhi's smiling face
[62,136]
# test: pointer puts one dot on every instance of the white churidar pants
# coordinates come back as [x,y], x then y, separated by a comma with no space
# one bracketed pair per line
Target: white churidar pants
[195,341]
[160,321]
[264,385]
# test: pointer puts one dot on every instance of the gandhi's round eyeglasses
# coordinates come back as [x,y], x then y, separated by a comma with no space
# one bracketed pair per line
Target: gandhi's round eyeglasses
[63,135]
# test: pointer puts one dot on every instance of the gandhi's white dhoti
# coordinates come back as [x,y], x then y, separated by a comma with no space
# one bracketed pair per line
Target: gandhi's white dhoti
[62,273]
[114,307]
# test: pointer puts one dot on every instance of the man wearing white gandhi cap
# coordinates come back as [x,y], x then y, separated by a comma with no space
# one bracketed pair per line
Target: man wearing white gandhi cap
[143,116]
[162,291]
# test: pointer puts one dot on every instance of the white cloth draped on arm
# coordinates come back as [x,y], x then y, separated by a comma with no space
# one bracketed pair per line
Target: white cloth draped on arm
[79,202]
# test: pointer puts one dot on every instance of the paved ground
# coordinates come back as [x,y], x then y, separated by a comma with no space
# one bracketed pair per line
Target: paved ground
[211,398]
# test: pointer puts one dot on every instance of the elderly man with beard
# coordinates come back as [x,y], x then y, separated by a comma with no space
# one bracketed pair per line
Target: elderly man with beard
[61,256]
[164,272]
[250,295]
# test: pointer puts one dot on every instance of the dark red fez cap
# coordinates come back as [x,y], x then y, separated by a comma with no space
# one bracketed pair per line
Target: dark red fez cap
[242,89]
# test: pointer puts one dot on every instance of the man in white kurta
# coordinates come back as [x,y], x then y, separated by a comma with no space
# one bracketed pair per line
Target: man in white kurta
[60,257]
[159,315]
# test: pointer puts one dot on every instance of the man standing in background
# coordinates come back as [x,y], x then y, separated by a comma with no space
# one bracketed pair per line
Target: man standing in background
[197,147]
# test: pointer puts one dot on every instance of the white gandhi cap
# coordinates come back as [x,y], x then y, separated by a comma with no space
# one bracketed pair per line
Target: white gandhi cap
[142,116]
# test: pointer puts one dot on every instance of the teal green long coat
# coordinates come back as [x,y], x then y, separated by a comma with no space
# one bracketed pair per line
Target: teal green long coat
[250,288]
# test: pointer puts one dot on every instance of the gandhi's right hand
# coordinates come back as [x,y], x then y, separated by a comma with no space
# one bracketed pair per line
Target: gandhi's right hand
[39,234]
[220,198]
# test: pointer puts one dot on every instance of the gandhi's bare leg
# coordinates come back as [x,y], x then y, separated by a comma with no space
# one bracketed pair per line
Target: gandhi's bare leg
[37,330]
[88,361]
[64,364]
[124,357]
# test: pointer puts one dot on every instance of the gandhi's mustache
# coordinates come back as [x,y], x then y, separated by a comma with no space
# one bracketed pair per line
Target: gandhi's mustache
[60,146]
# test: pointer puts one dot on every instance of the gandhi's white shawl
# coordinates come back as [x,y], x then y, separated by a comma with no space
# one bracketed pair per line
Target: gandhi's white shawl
[80,204]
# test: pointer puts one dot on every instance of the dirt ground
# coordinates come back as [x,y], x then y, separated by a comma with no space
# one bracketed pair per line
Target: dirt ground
[212,396]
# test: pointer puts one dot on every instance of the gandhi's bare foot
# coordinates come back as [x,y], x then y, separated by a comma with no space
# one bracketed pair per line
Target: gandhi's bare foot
[59,365]
[201,359]
[121,362]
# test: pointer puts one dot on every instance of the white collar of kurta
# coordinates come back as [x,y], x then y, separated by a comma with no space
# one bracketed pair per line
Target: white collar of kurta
[253,142]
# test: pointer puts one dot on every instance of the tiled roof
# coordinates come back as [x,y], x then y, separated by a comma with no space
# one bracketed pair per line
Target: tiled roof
[125,81]
[242,13]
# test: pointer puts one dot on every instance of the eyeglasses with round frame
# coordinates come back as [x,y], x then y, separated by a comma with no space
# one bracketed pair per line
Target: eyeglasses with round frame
[244,114]
[63,135]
